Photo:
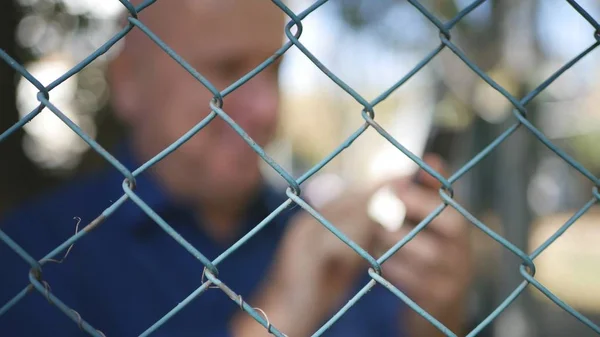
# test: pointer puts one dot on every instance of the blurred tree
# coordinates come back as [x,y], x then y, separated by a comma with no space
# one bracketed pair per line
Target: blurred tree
[34,31]
[18,175]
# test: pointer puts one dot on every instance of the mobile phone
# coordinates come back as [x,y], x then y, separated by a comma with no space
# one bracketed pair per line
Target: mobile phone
[384,206]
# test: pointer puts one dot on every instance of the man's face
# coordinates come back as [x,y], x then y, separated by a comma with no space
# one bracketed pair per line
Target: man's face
[161,101]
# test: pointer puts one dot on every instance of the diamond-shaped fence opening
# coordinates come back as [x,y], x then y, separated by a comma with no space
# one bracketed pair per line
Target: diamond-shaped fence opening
[293,33]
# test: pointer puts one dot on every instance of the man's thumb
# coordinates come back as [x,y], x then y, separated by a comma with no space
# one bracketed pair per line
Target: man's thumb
[436,163]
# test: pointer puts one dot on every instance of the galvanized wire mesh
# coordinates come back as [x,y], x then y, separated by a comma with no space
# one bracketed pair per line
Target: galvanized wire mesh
[527,268]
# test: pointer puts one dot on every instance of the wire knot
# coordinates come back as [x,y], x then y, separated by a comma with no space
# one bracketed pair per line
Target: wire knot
[130,8]
[445,34]
[596,193]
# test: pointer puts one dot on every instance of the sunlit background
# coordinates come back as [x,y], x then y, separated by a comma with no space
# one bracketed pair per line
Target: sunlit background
[523,191]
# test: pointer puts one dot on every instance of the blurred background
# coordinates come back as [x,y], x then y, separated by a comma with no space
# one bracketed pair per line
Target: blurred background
[522,190]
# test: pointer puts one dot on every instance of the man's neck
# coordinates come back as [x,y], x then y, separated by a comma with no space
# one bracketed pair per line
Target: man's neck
[222,227]
[223,221]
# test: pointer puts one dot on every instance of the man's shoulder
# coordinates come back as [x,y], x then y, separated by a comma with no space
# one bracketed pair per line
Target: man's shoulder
[55,213]
[80,192]
[37,227]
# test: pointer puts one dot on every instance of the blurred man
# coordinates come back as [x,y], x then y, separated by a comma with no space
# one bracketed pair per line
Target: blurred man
[128,273]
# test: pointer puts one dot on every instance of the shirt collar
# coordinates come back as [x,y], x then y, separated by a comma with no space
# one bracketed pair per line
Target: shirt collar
[146,187]
[149,190]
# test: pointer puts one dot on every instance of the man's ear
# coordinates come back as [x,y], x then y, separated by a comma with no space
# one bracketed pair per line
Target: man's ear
[124,93]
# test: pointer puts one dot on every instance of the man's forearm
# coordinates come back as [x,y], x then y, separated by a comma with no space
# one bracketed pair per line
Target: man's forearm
[292,313]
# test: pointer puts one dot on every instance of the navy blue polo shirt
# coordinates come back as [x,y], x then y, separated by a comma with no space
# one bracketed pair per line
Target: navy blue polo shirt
[128,273]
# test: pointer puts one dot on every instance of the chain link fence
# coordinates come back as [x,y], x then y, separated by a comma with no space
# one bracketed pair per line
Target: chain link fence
[293,32]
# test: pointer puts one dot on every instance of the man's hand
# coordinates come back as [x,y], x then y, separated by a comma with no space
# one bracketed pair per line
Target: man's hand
[314,270]
[434,268]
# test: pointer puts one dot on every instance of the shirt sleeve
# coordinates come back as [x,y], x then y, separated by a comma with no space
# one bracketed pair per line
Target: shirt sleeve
[25,311]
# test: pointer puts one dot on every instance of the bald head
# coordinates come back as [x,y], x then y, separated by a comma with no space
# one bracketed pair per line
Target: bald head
[216,22]
[223,40]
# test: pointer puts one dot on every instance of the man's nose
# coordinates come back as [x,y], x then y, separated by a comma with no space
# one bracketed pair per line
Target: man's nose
[256,102]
